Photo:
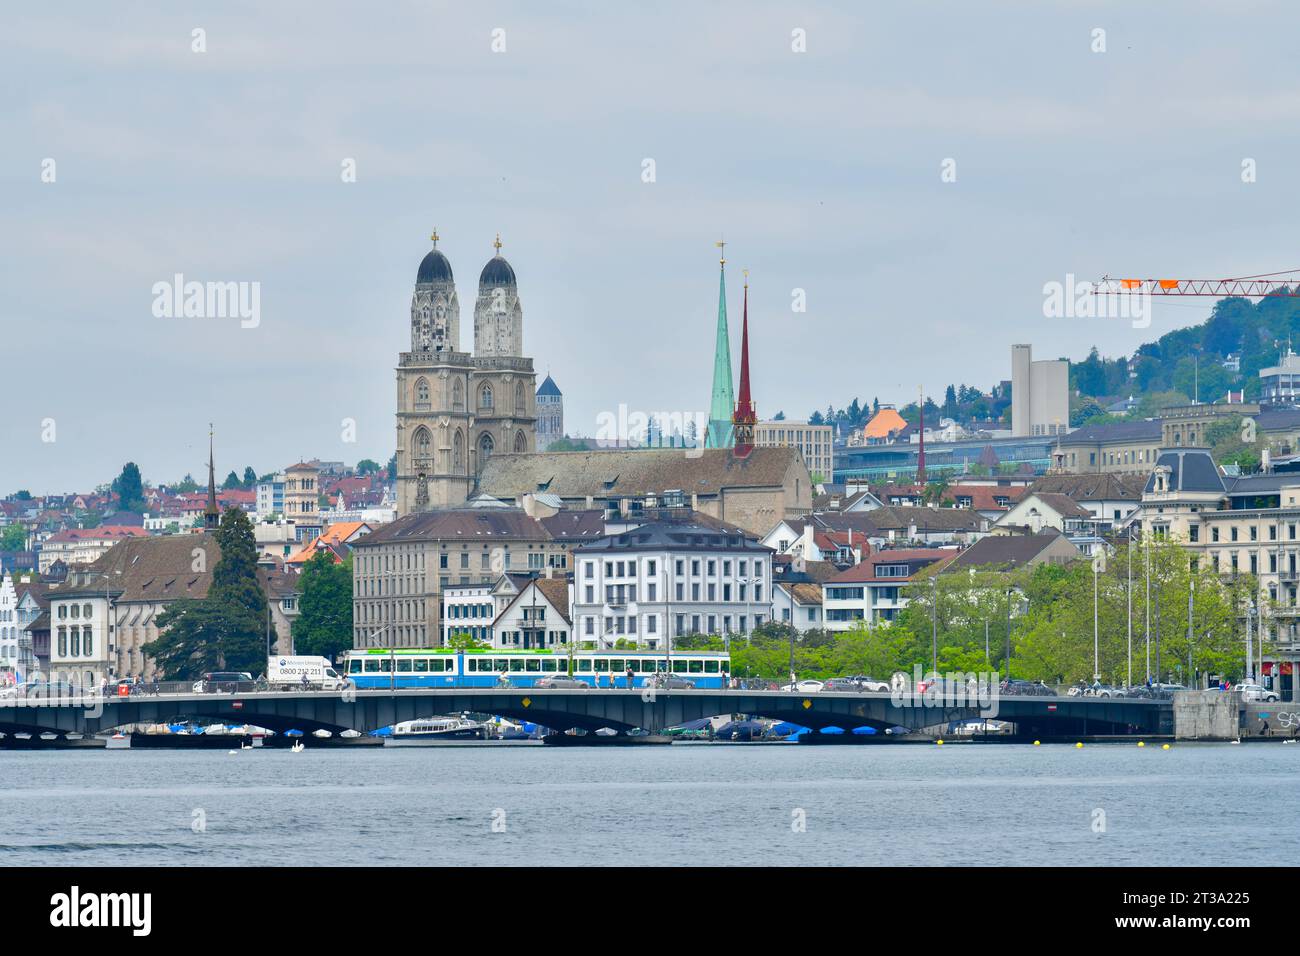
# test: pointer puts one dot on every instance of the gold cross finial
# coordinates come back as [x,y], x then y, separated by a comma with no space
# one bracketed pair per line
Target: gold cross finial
[746,273]
[434,237]
[722,256]
[497,245]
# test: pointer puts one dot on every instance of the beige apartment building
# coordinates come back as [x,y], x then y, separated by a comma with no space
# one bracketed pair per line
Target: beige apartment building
[814,441]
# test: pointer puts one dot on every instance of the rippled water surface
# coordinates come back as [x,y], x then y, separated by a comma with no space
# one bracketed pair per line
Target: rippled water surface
[710,804]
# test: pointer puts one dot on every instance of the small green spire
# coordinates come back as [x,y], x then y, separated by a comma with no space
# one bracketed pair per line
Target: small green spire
[720,433]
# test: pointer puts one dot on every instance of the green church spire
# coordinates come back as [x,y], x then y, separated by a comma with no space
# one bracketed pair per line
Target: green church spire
[719,434]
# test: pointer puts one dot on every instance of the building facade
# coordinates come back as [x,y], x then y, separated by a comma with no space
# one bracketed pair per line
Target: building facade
[814,441]
[401,571]
[456,409]
[667,579]
[1040,394]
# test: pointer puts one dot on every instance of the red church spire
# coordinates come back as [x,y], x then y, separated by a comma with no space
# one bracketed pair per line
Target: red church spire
[745,418]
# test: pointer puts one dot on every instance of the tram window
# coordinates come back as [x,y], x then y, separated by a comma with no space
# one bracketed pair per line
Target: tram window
[516,664]
[420,665]
[438,665]
[616,666]
[548,665]
[473,663]
[500,664]
[584,665]
[404,665]
[661,665]
[533,665]
[372,666]
[385,665]
[354,666]
[710,667]
[695,666]
[602,665]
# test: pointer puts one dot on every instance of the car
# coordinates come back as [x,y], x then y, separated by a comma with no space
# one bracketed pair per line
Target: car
[665,681]
[1017,687]
[842,685]
[1256,692]
[805,687]
[218,682]
[870,684]
[1103,690]
[555,681]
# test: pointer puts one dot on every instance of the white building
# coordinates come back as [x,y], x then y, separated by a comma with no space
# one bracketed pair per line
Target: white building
[797,604]
[468,609]
[1040,394]
[874,591]
[9,628]
[538,617]
[687,578]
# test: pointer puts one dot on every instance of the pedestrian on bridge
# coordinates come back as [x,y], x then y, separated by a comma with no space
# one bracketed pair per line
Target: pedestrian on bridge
[631,679]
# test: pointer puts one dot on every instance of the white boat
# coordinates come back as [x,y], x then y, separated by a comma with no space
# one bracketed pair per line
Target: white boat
[118,742]
[436,730]
[214,729]
[322,733]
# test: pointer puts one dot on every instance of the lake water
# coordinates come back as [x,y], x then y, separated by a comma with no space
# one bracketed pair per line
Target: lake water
[702,804]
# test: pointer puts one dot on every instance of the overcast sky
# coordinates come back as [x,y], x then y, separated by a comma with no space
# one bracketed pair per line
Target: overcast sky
[822,169]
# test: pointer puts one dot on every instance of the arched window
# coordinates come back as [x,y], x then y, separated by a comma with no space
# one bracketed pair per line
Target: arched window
[485,446]
[457,452]
[422,393]
[485,397]
[422,440]
[521,443]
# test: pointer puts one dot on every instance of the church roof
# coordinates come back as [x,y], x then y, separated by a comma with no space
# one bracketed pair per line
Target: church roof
[639,471]
[549,388]
[497,272]
[434,268]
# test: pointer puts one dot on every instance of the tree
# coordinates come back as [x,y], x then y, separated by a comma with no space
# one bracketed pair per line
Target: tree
[226,630]
[367,466]
[231,482]
[129,488]
[324,623]
[816,419]
[779,417]
[250,478]
[392,467]
[13,537]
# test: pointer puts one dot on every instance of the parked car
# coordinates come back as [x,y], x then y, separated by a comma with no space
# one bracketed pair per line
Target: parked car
[1025,688]
[1104,690]
[555,681]
[1256,692]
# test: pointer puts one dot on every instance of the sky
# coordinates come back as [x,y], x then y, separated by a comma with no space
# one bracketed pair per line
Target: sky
[919,171]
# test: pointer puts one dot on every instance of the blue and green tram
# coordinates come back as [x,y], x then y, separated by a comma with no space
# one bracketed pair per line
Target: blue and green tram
[484,667]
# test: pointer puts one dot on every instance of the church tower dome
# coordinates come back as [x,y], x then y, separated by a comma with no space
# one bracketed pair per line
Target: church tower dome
[435,308]
[498,316]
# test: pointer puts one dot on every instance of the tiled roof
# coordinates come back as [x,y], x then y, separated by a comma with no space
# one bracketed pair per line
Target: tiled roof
[916,559]
[1063,505]
[1004,550]
[466,524]
[1103,486]
[105,533]
[803,592]
[635,472]
[1145,430]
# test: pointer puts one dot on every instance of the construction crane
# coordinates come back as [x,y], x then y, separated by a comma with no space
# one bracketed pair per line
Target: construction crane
[1256,287]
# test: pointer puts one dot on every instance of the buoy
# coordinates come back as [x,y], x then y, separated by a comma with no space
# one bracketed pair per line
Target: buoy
[1165,747]
[1142,743]
[939,742]
[1079,744]
[1035,743]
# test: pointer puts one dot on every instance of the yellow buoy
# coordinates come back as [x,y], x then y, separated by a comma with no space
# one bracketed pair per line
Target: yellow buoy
[1142,743]
[1165,747]
[939,742]
[1035,743]
[1079,744]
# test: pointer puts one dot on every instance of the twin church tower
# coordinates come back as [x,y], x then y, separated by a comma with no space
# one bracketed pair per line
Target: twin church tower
[456,409]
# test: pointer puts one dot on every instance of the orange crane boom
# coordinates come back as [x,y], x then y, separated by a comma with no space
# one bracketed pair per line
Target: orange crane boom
[1259,286]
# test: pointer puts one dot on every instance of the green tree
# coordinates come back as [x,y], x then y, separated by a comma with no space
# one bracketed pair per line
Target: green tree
[226,630]
[13,537]
[250,479]
[129,488]
[367,466]
[231,482]
[324,623]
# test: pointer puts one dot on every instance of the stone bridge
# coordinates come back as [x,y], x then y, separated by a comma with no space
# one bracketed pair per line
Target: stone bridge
[589,709]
